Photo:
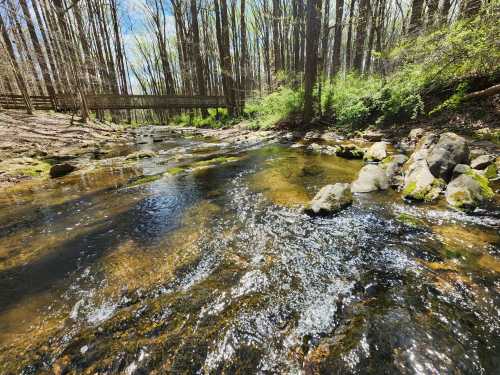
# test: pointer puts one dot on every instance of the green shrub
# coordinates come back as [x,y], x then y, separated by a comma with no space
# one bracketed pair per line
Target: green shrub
[266,111]
[217,118]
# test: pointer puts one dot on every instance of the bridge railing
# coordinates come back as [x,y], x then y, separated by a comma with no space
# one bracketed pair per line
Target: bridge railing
[114,102]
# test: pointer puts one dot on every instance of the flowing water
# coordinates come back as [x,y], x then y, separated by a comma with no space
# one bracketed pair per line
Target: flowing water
[211,268]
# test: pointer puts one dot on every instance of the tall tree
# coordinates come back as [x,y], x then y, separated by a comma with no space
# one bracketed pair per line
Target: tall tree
[197,54]
[313,29]
[361,30]
[348,62]
[337,39]
[416,16]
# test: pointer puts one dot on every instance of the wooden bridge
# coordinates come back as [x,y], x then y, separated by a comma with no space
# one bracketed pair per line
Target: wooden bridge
[113,102]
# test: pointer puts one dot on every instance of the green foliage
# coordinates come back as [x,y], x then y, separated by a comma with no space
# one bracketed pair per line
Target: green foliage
[269,110]
[362,100]
[453,101]
[217,118]
[439,59]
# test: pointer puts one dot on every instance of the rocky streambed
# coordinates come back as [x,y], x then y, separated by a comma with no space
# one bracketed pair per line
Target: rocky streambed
[189,252]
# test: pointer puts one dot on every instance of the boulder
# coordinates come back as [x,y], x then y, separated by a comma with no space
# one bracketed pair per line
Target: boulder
[59,170]
[483,161]
[468,191]
[449,151]
[420,184]
[377,152]
[349,151]
[370,178]
[330,199]
[392,166]
[415,135]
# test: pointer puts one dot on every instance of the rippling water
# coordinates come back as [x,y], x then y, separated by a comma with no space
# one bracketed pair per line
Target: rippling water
[215,270]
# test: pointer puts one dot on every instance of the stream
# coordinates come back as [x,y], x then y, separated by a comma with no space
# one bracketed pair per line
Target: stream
[198,261]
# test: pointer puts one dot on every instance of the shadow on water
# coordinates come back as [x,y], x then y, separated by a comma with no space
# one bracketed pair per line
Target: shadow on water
[146,221]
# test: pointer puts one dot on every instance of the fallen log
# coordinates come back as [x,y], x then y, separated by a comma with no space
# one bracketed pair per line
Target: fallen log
[483,93]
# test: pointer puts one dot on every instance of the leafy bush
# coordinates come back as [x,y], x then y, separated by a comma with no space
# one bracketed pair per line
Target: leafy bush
[217,118]
[267,111]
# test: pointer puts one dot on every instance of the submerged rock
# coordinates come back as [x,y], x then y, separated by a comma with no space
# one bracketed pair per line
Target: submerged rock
[420,184]
[141,155]
[60,170]
[468,191]
[449,151]
[377,152]
[482,161]
[349,151]
[371,178]
[330,199]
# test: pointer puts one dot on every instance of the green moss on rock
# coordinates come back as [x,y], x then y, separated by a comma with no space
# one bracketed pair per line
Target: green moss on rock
[483,183]
[410,220]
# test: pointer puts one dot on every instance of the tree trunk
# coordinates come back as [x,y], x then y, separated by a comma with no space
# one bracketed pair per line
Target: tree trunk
[348,60]
[337,39]
[416,17]
[276,39]
[361,31]
[313,29]
[38,49]
[244,55]
[197,54]
[222,28]
[445,10]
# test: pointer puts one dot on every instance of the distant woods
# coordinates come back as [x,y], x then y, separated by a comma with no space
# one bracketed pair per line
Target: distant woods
[235,48]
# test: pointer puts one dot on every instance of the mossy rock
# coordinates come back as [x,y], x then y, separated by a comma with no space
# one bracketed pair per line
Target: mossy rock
[144,180]
[410,220]
[27,167]
[216,161]
[175,171]
[468,191]
[491,172]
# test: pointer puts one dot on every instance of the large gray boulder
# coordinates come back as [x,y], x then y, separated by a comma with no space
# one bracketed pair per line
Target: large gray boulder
[420,184]
[392,166]
[377,152]
[468,191]
[330,199]
[370,178]
[450,150]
